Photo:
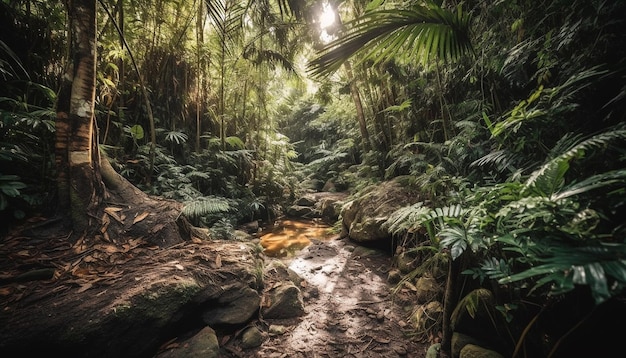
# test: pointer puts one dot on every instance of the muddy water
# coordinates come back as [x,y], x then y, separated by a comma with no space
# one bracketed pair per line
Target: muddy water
[286,237]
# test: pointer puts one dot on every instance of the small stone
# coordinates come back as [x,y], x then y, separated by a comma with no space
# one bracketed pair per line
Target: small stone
[380,316]
[277,330]
[400,350]
[252,337]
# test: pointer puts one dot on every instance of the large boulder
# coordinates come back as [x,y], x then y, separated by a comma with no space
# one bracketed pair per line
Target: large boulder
[362,218]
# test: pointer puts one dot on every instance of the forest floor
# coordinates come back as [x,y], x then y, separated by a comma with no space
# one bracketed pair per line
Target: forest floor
[350,308]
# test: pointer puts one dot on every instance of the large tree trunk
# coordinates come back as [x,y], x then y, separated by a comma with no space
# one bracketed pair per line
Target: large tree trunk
[84,180]
[80,185]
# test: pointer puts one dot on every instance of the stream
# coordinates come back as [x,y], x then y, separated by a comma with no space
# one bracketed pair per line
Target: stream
[288,236]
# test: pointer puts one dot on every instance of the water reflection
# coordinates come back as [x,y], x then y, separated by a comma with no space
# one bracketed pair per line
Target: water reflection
[286,237]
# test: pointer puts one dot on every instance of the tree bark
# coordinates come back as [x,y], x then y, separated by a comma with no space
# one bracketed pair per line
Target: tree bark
[80,187]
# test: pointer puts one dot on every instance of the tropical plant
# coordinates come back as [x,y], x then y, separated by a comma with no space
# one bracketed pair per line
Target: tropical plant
[419,33]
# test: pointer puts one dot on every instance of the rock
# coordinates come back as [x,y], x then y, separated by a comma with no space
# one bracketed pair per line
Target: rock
[394,276]
[426,316]
[277,329]
[428,289]
[203,344]
[323,205]
[284,301]
[127,314]
[405,262]
[363,218]
[306,200]
[474,351]
[251,228]
[299,211]
[433,351]
[476,315]
[252,337]
[460,340]
[236,305]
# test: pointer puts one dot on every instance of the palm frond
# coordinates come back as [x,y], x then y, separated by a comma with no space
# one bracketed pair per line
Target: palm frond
[429,32]
[548,179]
[599,265]
[614,177]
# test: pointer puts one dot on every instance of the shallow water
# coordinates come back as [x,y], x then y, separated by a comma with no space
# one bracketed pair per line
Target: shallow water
[288,236]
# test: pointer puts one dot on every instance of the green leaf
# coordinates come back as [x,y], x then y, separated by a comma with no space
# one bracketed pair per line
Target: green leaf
[137,132]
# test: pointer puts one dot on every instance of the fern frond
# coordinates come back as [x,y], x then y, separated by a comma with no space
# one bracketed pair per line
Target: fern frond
[205,205]
[406,219]
[235,142]
[500,159]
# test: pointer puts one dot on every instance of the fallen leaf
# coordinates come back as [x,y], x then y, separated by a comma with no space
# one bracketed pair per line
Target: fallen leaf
[111,249]
[218,261]
[141,217]
[84,287]
[180,267]
[5,291]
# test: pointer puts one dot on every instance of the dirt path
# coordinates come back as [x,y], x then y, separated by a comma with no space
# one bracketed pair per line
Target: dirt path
[349,308]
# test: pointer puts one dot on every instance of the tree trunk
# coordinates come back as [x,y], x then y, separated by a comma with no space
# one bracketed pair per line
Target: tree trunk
[80,185]
[356,97]
[84,180]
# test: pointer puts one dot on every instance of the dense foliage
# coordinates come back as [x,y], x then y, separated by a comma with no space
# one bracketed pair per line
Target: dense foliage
[507,115]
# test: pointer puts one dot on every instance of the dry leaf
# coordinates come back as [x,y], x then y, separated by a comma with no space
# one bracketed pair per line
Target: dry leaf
[180,267]
[112,213]
[141,217]
[218,261]
[110,249]
[5,291]
[84,287]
